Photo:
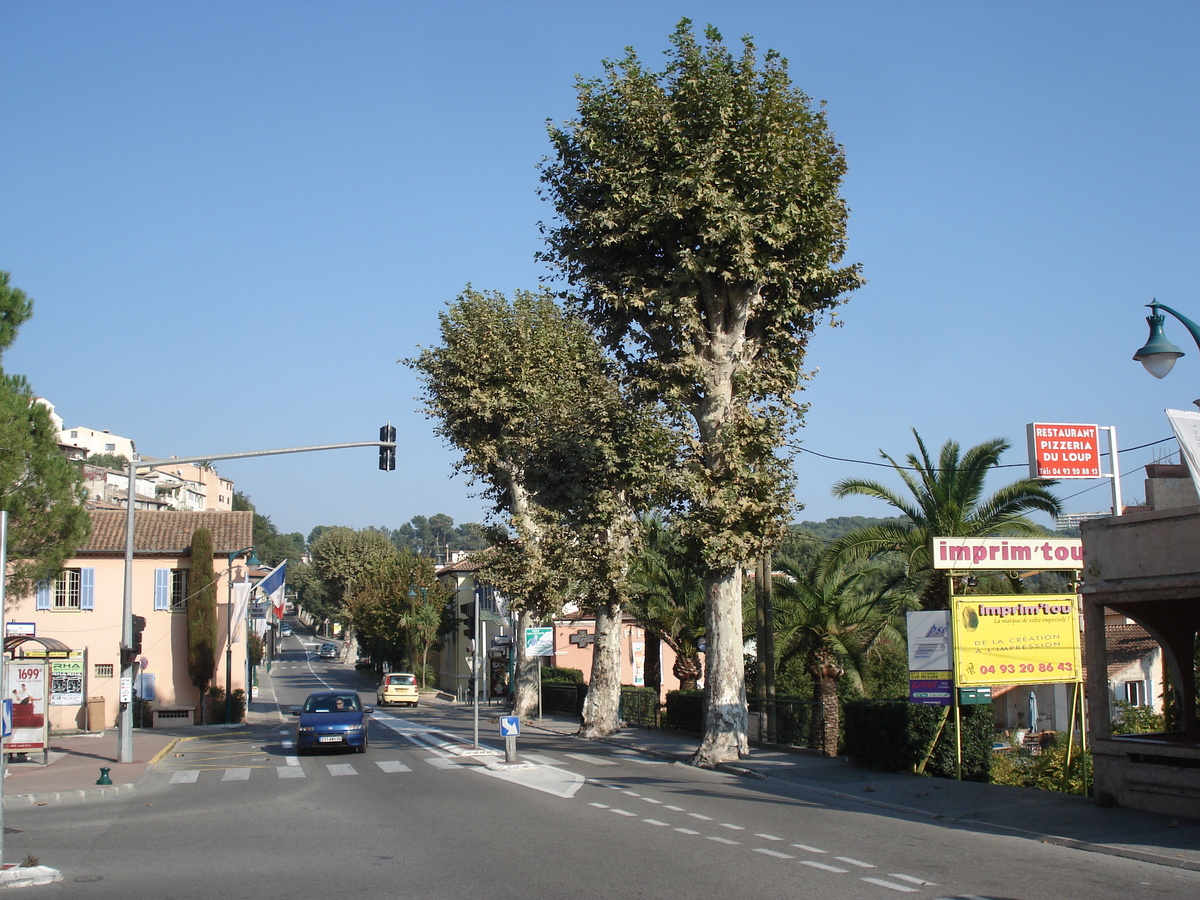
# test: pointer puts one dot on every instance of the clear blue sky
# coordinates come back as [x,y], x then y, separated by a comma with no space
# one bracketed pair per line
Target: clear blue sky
[235,217]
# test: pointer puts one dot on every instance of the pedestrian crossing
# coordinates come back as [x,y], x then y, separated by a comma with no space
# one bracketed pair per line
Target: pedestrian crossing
[426,749]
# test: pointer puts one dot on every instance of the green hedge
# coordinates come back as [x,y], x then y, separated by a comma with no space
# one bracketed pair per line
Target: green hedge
[559,675]
[893,736]
[685,710]
[639,706]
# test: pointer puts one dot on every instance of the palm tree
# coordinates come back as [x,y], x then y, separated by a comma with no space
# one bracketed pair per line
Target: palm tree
[831,618]
[668,599]
[947,500]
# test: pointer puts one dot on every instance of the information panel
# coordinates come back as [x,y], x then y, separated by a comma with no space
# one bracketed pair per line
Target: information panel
[1016,639]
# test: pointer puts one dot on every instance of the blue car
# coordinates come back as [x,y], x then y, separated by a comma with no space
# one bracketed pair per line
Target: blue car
[332,719]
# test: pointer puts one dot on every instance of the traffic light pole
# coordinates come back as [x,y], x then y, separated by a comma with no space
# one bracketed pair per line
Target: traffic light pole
[125,725]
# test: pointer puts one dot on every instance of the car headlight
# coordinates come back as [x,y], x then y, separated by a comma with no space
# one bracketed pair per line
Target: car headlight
[307,729]
[354,728]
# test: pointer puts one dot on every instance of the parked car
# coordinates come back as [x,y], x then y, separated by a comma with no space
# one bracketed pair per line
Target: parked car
[332,719]
[285,630]
[328,651]
[397,687]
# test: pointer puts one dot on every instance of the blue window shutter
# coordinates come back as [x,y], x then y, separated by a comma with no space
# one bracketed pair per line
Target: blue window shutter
[43,594]
[87,588]
[162,588]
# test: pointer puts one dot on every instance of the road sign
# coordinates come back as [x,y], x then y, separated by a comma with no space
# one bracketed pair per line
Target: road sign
[539,642]
[510,726]
[6,716]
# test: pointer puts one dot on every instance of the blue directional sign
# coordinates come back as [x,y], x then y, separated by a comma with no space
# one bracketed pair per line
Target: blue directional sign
[510,726]
[6,718]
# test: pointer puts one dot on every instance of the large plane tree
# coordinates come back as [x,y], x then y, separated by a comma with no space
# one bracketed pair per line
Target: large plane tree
[699,224]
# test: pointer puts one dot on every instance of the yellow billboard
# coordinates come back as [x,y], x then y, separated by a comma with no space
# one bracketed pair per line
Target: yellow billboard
[1016,639]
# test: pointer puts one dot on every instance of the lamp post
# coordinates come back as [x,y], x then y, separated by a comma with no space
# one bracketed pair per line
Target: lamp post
[252,561]
[1159,354]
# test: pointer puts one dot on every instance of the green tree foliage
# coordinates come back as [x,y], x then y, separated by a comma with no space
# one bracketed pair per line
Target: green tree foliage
[271,546]
[437,536]
[832,618]
[341,556]
[202,613]
[525,394]
[106,461]
[39,489]
[394,606]
[699,224]
[945,499]
[668,598]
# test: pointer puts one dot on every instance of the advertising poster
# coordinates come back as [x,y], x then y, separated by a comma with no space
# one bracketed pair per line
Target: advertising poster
[1016,639]
[929,662]
[66,681]
[27,682]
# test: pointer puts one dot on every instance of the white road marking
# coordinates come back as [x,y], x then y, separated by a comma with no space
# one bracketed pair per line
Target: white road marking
[656,822]
[809,849]
[732,827]
[911,880]
[722,840]
[823,867]
[392,766]
[622,812]
[289,771]
[340,769]
[766,852]
[851,861]
[686,831]
[440,762]
[702,818]
[239,774]
[892,886]
[292,760]
[185,776]
[591,760]
[768,837]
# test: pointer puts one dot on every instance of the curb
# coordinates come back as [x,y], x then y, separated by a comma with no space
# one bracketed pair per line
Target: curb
[26,876]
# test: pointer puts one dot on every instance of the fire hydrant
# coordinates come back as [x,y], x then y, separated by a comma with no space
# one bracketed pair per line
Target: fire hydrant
[103,779]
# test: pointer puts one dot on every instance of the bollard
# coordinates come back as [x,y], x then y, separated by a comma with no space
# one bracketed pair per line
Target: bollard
[103,779]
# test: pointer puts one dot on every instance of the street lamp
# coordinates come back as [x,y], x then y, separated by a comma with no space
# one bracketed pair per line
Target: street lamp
[252,561]
[1159,354]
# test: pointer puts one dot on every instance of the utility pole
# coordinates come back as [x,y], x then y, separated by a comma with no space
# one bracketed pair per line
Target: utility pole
[386,442]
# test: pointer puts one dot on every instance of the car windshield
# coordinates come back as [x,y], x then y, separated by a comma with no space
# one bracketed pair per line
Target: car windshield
[347,703]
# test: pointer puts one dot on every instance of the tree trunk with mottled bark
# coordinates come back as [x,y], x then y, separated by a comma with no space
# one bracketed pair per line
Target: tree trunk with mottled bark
[601,709]
[725,721]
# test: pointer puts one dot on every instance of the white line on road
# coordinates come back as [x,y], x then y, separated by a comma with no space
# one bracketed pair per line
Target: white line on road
[185,776]
[809,849]
[392,765]
[590,759]
[656,822]
[768,837]
[851,861]
[911,880]
[239,774]
[722,840]
[823,867]
[340,769]
[686,831]
[289,771]
[766,852]
[892,886]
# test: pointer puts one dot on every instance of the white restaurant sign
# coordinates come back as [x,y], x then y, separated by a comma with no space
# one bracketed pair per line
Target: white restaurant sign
[1064,451]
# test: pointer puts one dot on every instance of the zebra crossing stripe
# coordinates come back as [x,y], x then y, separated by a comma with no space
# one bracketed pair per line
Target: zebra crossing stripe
[185,776]
[239,774]
[289,771]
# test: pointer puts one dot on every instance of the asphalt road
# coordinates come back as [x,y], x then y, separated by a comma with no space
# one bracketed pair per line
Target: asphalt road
[419,815]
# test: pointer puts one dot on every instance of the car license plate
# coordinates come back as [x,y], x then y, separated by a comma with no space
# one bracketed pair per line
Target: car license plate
[334,739]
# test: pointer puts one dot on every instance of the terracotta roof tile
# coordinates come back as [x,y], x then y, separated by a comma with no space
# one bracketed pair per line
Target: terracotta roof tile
[166,531]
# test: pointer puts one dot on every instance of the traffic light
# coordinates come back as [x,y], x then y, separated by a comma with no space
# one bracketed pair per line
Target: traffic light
[139,625]
[387,455]
[468,612]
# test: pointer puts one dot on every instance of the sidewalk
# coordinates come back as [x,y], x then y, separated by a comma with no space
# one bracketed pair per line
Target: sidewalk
[1046,816]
